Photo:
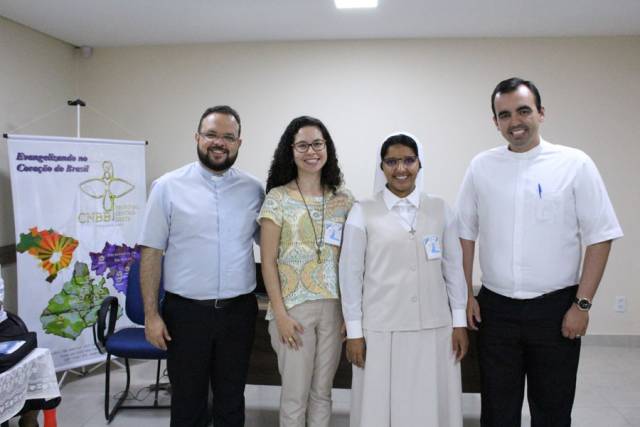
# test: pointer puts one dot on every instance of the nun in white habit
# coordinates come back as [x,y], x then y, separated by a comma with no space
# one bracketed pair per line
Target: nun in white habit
[403,298]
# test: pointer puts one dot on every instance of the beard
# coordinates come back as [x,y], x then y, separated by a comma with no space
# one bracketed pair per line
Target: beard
[220,166]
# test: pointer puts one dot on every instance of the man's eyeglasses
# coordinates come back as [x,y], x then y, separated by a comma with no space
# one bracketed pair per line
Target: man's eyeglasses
[303,147]
[212,136]
[407,161]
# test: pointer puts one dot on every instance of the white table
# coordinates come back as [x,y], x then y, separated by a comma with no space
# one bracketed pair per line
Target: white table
[33,378]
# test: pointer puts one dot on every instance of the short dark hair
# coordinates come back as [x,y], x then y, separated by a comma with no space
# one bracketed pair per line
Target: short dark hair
[511,85]
[399,139]
[283,168]
[222,109]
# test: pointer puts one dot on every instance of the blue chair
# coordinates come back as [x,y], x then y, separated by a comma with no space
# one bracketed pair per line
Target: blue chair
[127,343]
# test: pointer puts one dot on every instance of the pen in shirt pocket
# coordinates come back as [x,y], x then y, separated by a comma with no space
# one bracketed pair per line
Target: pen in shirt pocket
[539,191]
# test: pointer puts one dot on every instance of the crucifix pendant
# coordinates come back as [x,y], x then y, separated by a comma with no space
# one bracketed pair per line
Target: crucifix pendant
[318,253]
[412,232]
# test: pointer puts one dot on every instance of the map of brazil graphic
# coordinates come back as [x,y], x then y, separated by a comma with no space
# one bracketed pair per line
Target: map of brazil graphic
[53,249]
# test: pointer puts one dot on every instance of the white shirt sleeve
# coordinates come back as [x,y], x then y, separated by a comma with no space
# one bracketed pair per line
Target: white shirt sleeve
[596,217]
[351,270]
[453,272]
[155,225]
[467,208]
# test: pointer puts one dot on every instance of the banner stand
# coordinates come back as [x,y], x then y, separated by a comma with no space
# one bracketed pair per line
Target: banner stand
[108,210]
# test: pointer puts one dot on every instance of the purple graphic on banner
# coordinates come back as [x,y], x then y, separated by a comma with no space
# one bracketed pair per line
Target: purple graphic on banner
[116,260]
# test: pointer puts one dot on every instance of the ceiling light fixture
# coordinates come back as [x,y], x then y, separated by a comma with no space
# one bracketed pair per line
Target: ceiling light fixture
[356,4]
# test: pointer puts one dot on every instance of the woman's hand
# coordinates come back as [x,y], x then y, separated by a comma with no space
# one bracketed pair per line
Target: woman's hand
[459,342]
[289,328]
[356,351]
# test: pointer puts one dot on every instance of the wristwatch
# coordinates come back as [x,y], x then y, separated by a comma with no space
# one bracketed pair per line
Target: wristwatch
[583,303]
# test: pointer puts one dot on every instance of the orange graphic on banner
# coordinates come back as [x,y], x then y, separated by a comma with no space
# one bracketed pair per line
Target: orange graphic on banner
[53,249]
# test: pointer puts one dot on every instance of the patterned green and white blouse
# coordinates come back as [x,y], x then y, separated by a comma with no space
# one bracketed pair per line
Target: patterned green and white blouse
[302,277]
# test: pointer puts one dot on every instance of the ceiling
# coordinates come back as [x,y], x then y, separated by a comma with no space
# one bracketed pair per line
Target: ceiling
[101,23]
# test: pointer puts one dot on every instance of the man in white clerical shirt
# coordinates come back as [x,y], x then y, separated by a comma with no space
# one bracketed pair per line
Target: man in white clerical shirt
[532,206]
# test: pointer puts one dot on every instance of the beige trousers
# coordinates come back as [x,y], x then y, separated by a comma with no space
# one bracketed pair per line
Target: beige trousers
[307,373]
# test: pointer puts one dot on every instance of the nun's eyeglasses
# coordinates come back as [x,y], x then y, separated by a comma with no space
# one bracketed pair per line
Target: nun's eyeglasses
[393,162]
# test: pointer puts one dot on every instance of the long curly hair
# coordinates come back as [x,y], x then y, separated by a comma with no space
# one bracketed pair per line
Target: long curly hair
[283,168]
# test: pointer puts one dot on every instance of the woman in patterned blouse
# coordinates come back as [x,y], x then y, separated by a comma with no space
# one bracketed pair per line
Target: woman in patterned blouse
[301,231]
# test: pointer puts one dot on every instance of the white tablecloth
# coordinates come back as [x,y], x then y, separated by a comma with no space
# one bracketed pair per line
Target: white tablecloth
[33,378]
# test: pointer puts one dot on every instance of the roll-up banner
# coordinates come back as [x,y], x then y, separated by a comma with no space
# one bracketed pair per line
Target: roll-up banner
[78,206]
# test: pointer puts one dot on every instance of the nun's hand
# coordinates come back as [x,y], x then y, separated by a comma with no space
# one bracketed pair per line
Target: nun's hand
[356,351]
[473,313]
[459,342]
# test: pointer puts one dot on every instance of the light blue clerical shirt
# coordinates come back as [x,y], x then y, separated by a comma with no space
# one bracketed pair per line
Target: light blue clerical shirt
[206,224]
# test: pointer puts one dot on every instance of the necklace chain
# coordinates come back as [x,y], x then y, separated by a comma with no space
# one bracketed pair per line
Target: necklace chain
[318,241]
[412,224]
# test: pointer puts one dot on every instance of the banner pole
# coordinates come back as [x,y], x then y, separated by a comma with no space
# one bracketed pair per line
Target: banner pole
[77,103]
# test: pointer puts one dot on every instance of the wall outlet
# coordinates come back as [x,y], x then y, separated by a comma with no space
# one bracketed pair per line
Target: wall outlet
[620,304]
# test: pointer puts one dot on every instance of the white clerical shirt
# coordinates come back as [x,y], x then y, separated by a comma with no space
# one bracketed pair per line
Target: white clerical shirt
[531,213]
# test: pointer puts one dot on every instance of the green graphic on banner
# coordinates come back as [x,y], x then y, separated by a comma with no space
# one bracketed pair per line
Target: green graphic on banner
[76,306]
[107,187]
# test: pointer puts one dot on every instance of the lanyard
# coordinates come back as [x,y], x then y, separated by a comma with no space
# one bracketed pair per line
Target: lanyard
[318,241]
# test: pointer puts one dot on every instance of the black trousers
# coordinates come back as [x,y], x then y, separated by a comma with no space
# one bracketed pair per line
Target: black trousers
[209,347]
[519,338]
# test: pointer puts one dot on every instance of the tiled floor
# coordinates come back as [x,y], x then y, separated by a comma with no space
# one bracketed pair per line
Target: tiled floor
[608,396]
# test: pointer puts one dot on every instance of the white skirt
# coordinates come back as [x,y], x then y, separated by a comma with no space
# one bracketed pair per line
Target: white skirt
[410,379]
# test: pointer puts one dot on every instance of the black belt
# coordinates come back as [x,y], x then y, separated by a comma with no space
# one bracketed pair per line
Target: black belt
[214,303]
[558,292]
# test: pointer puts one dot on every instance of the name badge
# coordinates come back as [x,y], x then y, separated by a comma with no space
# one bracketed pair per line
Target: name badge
[432,247]
[333,233]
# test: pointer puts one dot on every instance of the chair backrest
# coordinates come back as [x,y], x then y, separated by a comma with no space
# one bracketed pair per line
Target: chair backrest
[134,305]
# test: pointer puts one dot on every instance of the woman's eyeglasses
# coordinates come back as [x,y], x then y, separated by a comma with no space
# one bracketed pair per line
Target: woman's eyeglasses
[303,147]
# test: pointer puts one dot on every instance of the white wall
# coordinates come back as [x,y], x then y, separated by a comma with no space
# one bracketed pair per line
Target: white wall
[437,89]
[36,78]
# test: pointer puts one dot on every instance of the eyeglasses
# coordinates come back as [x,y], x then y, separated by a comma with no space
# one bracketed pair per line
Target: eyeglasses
[303,147]
[212,136]
[393,162]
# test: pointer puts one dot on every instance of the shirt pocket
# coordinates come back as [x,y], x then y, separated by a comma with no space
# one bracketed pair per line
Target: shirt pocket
[549,207]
